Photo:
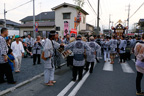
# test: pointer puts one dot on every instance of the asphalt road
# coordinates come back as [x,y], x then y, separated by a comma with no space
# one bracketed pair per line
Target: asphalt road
[28,70]
[106,80]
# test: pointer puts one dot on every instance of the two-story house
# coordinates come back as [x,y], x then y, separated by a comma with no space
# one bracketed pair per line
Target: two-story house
[67,13]
[46,22]
[62,18]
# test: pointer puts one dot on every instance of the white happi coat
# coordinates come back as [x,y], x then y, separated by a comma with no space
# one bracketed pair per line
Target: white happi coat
[123,45]
[94,48]
[78,47]
[49,51]
[113,45]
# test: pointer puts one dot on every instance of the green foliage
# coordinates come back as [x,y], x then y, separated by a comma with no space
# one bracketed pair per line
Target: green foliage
[80,3]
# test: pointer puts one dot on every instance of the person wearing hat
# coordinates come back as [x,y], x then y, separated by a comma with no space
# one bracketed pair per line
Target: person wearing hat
[49,52]
[18,52]
[78,48]
[5,68]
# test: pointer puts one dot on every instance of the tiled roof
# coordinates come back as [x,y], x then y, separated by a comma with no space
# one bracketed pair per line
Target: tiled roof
[41,24]
[42,16]
[9,22]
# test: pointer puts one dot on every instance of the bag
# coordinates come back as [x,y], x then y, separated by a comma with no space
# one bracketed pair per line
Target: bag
[42,56]
[79,57]
[9,59]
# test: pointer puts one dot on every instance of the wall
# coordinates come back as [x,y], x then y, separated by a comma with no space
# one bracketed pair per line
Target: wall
[59,21]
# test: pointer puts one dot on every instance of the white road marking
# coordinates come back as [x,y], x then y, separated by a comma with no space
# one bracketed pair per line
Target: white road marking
[79,85]
[108,66]
[126,68]
[75,90]
[67,88]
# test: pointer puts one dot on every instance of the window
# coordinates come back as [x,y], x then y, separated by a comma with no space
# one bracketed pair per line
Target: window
[66,15]
[57,28]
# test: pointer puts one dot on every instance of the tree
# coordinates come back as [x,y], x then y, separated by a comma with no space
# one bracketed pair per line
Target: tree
[80,3]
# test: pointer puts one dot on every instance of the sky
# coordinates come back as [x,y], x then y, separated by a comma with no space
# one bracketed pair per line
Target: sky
[117,8]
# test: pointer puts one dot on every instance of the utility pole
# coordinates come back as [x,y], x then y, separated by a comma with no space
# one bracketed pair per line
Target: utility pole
[5,16]
[128,18]
[34,34]
[98,17]
[109,23]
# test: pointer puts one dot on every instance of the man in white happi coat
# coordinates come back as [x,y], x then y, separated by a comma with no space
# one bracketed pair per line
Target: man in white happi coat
[91,57]
[49,67]
[78,48]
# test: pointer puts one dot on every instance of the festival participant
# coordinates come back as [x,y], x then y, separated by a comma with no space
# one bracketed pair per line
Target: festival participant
[30,43]
[118,43]
[26,50]
[48,54]
[98,41]
[128,49]
[139,53]
[106,49]
[78,47]
[18,52]
[67,41]
[91,57]
[57,54]
[37,50]
[5,68]
[11,59]
[8,41]
[113,48]
[122,49]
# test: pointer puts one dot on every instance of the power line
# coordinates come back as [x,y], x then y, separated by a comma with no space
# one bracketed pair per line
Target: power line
[136,10]
[91,7]
[19,6]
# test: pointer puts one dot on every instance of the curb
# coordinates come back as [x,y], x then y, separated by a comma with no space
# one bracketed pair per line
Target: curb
[23,83]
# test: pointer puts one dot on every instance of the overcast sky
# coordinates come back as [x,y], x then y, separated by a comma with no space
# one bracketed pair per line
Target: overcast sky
[117,9]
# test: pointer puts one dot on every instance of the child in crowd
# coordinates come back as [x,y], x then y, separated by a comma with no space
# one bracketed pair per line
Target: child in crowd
[11,59]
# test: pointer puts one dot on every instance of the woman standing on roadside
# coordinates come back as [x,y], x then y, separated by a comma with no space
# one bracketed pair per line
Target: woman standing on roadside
[139,53]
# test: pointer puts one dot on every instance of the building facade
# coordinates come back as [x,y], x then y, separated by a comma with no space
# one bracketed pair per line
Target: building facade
[46,21]
[66,13]
[61,19]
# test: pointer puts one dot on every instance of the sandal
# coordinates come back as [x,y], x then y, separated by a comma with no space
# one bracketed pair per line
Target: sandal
[53,82]
[49,84]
